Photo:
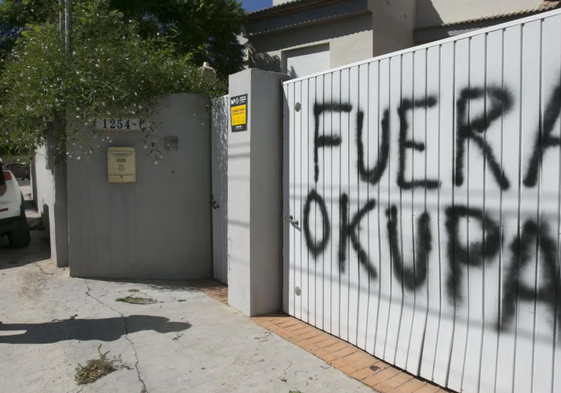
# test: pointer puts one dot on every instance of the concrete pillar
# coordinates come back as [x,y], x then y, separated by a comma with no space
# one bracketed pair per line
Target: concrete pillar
[59,236]
[33,180]
[255,195]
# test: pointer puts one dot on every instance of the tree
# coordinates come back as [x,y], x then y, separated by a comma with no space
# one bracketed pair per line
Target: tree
[207,30]
[112,71]
[16,14]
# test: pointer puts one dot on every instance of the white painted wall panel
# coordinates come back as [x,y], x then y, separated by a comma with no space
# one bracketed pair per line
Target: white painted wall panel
[427,186]
[219,161]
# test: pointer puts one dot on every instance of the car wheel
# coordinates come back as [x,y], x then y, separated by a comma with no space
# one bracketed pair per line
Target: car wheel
[19,236]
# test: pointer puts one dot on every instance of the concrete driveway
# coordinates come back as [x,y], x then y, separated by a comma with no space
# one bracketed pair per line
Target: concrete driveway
[186,342]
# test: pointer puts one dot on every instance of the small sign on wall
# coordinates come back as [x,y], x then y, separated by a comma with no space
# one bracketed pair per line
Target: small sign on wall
[238,113]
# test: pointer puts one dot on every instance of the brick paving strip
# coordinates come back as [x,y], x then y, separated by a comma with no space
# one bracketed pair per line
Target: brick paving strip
[345,357]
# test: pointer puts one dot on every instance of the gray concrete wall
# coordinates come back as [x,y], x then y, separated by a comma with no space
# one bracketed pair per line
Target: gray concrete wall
[158,227]
[266,191]
[51,199]
[349,39]
[44,194]
[255,196]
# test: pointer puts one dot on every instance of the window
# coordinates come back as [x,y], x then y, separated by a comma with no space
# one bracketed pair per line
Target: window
[306,61]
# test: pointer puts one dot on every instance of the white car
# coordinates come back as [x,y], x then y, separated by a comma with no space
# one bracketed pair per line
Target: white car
[13,222]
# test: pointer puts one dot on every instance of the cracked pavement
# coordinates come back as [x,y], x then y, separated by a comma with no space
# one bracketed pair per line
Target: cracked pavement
[126,335]
[186,342]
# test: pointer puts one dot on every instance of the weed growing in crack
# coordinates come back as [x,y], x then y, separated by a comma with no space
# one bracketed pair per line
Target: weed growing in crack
[134,290]
[136,300]
[97,368]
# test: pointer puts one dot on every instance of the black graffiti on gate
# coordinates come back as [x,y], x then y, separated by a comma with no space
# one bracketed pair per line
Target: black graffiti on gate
[321,141]
[404,143]
[316,247]
[415,276]
[373,175]
[460,254]
[501,103]
[475,254]
[349,230]
[468,128]
[523,251]
[544,139]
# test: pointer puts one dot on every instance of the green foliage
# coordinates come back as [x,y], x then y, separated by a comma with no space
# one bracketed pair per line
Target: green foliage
[22,12]
[136,300]
[96,368]
[16,14]
[111,71]
[9,155]
[205,29]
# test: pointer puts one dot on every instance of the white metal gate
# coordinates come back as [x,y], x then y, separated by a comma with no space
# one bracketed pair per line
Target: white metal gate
[219,151]
[425,195]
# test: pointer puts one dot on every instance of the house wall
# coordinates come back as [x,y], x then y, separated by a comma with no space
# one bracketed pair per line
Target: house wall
[393,23]
[158,227]
[349,39]
[377,28]
[436,12]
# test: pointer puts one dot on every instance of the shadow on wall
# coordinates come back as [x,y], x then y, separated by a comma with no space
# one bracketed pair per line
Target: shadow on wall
[292,72]
[428,19]
[33,182]
[45,217]
[427,15]
[103,329]
[264,61]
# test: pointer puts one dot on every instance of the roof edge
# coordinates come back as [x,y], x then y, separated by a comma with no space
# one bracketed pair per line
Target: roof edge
[517,14]
[288,8]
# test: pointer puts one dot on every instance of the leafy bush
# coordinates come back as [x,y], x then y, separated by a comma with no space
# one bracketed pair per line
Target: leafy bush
[111,71]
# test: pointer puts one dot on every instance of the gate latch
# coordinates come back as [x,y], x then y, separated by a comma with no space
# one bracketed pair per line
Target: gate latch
[214,204]
[293,222]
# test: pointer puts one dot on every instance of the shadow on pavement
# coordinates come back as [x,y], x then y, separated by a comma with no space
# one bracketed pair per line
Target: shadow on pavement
[38,250]
[103,329]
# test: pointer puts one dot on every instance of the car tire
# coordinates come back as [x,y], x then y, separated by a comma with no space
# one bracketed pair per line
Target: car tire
[20,236]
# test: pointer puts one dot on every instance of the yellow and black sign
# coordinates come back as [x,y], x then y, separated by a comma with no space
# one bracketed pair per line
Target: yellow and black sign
[238,113]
